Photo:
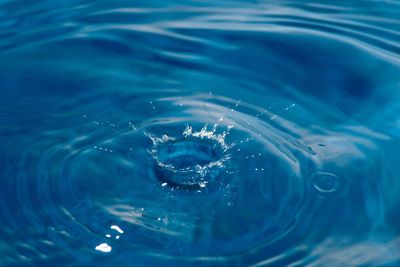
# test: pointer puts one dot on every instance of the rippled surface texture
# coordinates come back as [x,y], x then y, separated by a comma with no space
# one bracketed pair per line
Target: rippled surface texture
[199,133]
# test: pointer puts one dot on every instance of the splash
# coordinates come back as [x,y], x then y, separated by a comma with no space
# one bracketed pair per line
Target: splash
[204,133]
[191,160]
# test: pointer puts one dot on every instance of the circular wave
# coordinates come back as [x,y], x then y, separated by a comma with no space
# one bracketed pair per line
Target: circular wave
[222,177]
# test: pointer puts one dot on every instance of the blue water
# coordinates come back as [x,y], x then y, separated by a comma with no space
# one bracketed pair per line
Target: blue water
[199,133]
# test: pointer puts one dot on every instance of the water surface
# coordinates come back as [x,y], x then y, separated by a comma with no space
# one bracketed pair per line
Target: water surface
[199,133]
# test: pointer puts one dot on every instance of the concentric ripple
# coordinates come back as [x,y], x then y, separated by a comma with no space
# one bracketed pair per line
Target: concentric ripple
[199,133]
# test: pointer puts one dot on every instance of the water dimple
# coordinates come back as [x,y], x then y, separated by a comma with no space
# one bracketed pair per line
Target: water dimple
[184,154]
[327,184]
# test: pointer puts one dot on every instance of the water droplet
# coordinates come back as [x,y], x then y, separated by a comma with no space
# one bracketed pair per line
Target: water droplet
[116,228]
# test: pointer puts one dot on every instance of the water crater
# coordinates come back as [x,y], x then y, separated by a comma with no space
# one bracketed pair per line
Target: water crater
[190,162]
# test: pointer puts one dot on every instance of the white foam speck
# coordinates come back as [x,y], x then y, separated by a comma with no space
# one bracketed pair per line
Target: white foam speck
[104,247]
